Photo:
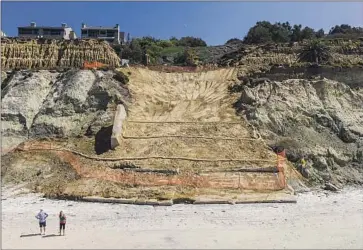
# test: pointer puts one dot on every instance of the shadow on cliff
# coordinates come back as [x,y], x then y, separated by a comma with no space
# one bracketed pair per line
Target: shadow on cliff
[103,140]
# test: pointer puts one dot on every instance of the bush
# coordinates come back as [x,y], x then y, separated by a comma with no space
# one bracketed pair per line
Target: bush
[154,51]
[189,41]
[315,52]
[136,54]
[265,32]
[234,41]
[188,57]
[345,29]
[157,48]
[165,44]
[121,77]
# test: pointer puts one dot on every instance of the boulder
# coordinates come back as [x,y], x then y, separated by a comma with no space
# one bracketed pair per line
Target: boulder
[247,96]
[340,159]
[331,187]
[320,163]
[347,136]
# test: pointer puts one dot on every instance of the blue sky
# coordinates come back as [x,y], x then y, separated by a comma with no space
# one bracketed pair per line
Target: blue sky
[215,22]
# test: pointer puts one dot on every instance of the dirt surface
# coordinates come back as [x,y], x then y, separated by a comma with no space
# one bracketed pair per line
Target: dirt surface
[319,220]
[182,136]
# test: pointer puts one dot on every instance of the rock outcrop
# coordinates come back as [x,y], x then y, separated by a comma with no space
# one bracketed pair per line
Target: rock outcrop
[252,59]
[320,119]
[52,104]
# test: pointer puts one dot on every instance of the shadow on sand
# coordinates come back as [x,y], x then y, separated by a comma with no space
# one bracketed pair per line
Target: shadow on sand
[51,235]
[29,235]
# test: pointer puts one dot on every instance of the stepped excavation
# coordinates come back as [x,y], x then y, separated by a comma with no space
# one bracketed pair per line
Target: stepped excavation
[181,139]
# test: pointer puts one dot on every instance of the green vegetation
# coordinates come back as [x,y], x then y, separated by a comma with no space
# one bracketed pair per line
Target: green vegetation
[266,32]
[315,52]
[191,51]
[188,57]
[234,41]
[121,77]
[345,30]
[159,49]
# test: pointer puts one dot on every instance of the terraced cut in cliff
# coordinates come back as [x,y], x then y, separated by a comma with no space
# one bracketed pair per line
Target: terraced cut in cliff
[181,140]
[185,122]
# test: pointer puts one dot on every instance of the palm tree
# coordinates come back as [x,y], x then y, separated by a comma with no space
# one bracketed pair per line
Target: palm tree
[315,52]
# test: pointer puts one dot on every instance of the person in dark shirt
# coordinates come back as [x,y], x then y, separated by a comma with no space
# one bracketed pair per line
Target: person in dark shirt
[62,223]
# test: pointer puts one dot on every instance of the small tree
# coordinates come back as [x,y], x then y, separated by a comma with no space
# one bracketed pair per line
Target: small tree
[192,58]
[174,40]
[188,57]
[126,52]
[296,33]
[320,34]
[190,41]
[307,33]
[234,41]
[260,33]
[315,52]
[136,51]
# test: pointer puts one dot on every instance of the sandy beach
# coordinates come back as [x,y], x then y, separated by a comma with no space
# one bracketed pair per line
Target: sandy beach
[318,220]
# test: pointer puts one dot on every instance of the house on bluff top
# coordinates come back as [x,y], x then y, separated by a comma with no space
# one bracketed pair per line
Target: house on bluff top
[109,34]
[49,32]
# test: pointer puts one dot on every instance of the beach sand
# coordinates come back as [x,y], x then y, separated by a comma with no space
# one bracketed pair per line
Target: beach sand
[318,220]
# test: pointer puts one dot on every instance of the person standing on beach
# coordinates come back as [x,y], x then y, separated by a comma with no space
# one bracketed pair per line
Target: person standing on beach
[62,223]
[42,217]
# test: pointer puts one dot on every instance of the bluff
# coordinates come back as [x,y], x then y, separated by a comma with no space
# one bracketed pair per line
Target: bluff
[314,111]
[51,54]
[262,97]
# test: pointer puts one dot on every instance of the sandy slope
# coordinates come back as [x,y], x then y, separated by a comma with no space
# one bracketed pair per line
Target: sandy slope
[317,221]
[201,96]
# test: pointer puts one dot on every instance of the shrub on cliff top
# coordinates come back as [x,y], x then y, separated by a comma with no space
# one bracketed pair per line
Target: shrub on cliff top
[266,32]
[187,58]
[157,48]
[315,52]
[234,41]
[189,41]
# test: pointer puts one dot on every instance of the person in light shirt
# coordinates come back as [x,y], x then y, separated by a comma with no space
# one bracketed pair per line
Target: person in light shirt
[42,217]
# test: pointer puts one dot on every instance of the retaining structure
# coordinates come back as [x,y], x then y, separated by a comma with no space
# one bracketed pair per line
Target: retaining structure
[120,116]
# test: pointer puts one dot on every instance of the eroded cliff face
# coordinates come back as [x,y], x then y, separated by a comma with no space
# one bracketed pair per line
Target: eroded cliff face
[321,119]
[50,54]
[316,112]
[181,137]
[58,104]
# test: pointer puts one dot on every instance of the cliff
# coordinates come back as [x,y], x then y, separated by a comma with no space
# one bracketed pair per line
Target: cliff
[251,59]
[186,134]
[55,105]
[314,113]
[51,54]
